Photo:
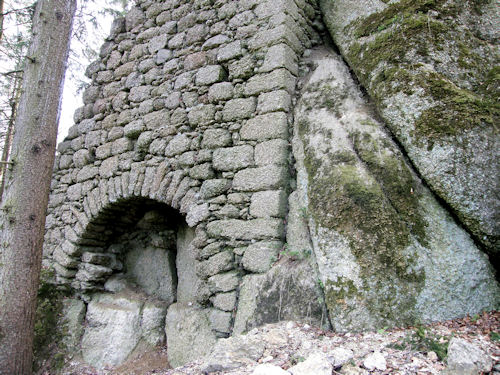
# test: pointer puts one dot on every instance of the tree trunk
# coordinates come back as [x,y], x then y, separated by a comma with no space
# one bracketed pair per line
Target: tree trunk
[14,102]
[23,208]
[1,19]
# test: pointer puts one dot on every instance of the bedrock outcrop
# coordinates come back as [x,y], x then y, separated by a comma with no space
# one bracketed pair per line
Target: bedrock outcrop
[387,251]
[431,67]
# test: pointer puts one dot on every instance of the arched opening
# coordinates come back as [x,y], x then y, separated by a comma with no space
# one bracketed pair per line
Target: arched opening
[137,259]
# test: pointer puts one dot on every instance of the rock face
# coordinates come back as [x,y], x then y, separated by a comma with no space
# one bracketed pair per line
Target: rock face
[430,68]
[387,252]
[178,181]
[189,334]
[117,323]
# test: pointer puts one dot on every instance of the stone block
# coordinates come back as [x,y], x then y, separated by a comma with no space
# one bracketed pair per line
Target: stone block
[238,109]
[152,269]
[220,320]
[162,56]
[214,138]
[211,249]
[202,172]
[210,74]
[215,41]
[220,262]
[179,144]
[276,80]
[81,158]
[246,229]
[224,301]
[121,145]
[197,214]
[258,257]
[109,167]
[183,80]
[104,151]
[223,282]
[201,114]
[233,158]
[213,188]
[271,177]
[230,51]
[134,129]
[281,56]
[268,126]
[157,43]
[280,34]
[113,330]
[64,259]
[273,101]
[220,91]
[268,204]
[86,173]
[189,334]
[139,93]
[195,60]
[275,151]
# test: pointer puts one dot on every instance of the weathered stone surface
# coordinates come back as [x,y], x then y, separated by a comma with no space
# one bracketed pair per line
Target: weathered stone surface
[214,138]
[209,75]
[268,204]
[74,314]
[465,358]
[223,261]
[238,109]
[212,188]
[272,125]
[362,198]
[259,256]
[263,178]
[375,361]
[437,108]
[223,282]
[189,334]
[294,284]
[268,369]
[246,230]
[188,282]
[233,352]
[113,331]
[233,158]
[154,270]
[315,364]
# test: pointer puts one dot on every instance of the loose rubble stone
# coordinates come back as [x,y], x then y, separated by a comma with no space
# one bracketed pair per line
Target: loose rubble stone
[466,358]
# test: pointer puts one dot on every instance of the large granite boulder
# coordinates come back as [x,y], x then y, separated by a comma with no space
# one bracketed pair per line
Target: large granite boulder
[431,68]
[388,252]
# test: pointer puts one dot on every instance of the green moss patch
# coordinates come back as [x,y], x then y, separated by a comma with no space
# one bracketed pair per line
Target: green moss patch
[456,110]
[48,349]
[392,14]
[413,40]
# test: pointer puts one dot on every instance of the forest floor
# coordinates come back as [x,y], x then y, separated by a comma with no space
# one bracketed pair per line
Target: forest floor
[412,350]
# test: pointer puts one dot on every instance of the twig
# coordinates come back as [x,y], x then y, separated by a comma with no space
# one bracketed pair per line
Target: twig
[12,72]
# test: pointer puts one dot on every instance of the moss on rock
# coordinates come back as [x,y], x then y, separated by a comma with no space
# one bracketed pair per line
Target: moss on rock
[432,71]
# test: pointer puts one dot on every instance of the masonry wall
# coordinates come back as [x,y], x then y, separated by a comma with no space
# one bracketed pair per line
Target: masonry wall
[189,106]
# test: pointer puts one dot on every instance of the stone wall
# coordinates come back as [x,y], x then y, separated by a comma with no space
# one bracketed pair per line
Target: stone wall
[189,107]
[178,183]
